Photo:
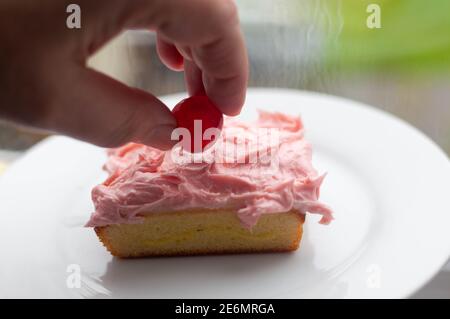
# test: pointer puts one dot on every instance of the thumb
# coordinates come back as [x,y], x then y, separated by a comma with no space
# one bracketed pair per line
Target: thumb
[100,110]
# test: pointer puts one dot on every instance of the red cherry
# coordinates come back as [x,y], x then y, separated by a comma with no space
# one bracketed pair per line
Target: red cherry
[197,114]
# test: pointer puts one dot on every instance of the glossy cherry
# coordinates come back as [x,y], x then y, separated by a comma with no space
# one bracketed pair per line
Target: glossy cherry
[197,114]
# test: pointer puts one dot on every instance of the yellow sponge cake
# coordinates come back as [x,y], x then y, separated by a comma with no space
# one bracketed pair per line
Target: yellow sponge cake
[249,193]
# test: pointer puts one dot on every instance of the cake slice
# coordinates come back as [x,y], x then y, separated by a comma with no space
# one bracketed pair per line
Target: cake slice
[249,193]
[200,232]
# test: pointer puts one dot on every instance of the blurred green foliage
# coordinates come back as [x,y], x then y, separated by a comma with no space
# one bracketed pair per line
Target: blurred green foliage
[414,35]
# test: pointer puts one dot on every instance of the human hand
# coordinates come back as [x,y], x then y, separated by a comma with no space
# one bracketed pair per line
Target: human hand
[45,83]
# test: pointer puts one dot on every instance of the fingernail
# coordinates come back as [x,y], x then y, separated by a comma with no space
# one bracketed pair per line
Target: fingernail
[160,137]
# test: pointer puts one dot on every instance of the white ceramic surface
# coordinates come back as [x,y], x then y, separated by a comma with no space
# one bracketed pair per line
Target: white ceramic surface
[388,184]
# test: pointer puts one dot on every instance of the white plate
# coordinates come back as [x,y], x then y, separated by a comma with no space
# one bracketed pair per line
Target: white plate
[388,184]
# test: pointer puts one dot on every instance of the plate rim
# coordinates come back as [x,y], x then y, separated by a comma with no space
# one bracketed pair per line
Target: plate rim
[302,93]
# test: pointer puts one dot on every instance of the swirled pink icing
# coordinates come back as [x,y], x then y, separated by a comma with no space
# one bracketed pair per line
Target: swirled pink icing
[244,171]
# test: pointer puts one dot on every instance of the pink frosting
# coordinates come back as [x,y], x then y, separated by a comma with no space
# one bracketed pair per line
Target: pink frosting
[143,180]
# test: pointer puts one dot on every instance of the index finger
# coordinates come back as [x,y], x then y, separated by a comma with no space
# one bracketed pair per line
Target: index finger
[210,28]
